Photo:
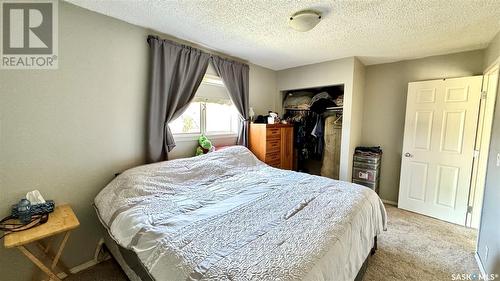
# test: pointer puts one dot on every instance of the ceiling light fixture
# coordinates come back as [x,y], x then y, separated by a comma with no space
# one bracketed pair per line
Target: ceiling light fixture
[304,20]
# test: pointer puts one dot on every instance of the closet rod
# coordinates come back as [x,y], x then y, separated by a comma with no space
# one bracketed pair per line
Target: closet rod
[327,109]
[335,108]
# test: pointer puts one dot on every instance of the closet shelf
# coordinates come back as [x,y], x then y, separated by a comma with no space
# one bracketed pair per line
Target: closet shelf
[297,109]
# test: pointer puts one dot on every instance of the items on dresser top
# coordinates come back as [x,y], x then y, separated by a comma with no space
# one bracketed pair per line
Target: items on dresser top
[273,118]
[272,144]
[270,118]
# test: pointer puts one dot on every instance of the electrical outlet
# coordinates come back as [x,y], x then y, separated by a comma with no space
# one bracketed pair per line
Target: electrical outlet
[486,250]
[498,159]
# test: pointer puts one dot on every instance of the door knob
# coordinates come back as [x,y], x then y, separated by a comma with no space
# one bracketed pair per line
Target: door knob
[409,155]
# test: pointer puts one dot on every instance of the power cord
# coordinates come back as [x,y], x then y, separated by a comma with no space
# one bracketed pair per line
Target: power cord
[8,227]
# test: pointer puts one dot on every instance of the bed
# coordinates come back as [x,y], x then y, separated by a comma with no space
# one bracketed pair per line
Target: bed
[228,216]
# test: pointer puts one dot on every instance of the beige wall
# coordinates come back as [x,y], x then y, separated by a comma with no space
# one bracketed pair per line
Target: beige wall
[263,89]
[67,131]
[385,103]
[329,73]
[492,53]
[358,106]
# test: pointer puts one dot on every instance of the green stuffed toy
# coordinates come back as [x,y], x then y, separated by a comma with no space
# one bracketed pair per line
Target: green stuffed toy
[204,146]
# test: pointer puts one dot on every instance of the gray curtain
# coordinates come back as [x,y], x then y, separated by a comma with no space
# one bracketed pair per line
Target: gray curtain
[175,75]
[235,77]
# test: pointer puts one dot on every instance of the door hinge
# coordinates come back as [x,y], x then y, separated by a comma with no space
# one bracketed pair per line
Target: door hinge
[483,95]
[476,153]
[469,209]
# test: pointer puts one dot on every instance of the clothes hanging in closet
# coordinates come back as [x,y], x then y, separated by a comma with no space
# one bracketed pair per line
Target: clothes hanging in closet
[317,132]
[331,156]
[309,145]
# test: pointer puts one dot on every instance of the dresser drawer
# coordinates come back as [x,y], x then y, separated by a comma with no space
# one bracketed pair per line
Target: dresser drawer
[273,145]
[273,133]
[273,157]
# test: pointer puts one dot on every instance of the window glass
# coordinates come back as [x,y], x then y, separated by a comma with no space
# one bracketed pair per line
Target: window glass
[189,122]
[221,118]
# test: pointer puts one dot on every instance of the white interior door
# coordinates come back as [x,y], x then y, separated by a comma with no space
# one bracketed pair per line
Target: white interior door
[438,147]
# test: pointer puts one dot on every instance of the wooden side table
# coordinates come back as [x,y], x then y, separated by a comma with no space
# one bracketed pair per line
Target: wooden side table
[62,220]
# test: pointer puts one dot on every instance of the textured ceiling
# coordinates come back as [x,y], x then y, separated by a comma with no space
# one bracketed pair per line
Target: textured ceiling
[374,31]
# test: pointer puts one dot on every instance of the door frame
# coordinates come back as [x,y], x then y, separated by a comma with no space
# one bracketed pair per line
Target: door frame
[495,63]
[483,139]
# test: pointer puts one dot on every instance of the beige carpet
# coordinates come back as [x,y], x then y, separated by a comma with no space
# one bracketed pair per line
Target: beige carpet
[417,247]
[108,270]
[414,247]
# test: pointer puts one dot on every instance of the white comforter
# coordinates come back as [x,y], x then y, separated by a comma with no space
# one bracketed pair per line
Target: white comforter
[228,216]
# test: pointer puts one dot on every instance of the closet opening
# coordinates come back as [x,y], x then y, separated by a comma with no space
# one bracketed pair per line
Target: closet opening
[316,114]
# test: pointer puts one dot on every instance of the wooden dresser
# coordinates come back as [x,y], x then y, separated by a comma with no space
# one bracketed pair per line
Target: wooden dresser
[272,144]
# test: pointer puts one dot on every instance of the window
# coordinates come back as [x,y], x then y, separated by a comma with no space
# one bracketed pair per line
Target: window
[217,117]
[189,122]
[210,113]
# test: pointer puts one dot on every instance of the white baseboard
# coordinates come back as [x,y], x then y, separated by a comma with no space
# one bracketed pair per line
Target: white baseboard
[480,264]
[92,262]
[85,265]
[389,202]
[82,266]
[76,269]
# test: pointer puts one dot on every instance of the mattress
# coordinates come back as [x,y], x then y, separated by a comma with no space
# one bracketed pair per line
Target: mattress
[228,216]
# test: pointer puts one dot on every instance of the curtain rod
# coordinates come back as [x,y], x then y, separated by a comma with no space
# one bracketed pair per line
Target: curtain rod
[192,45]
